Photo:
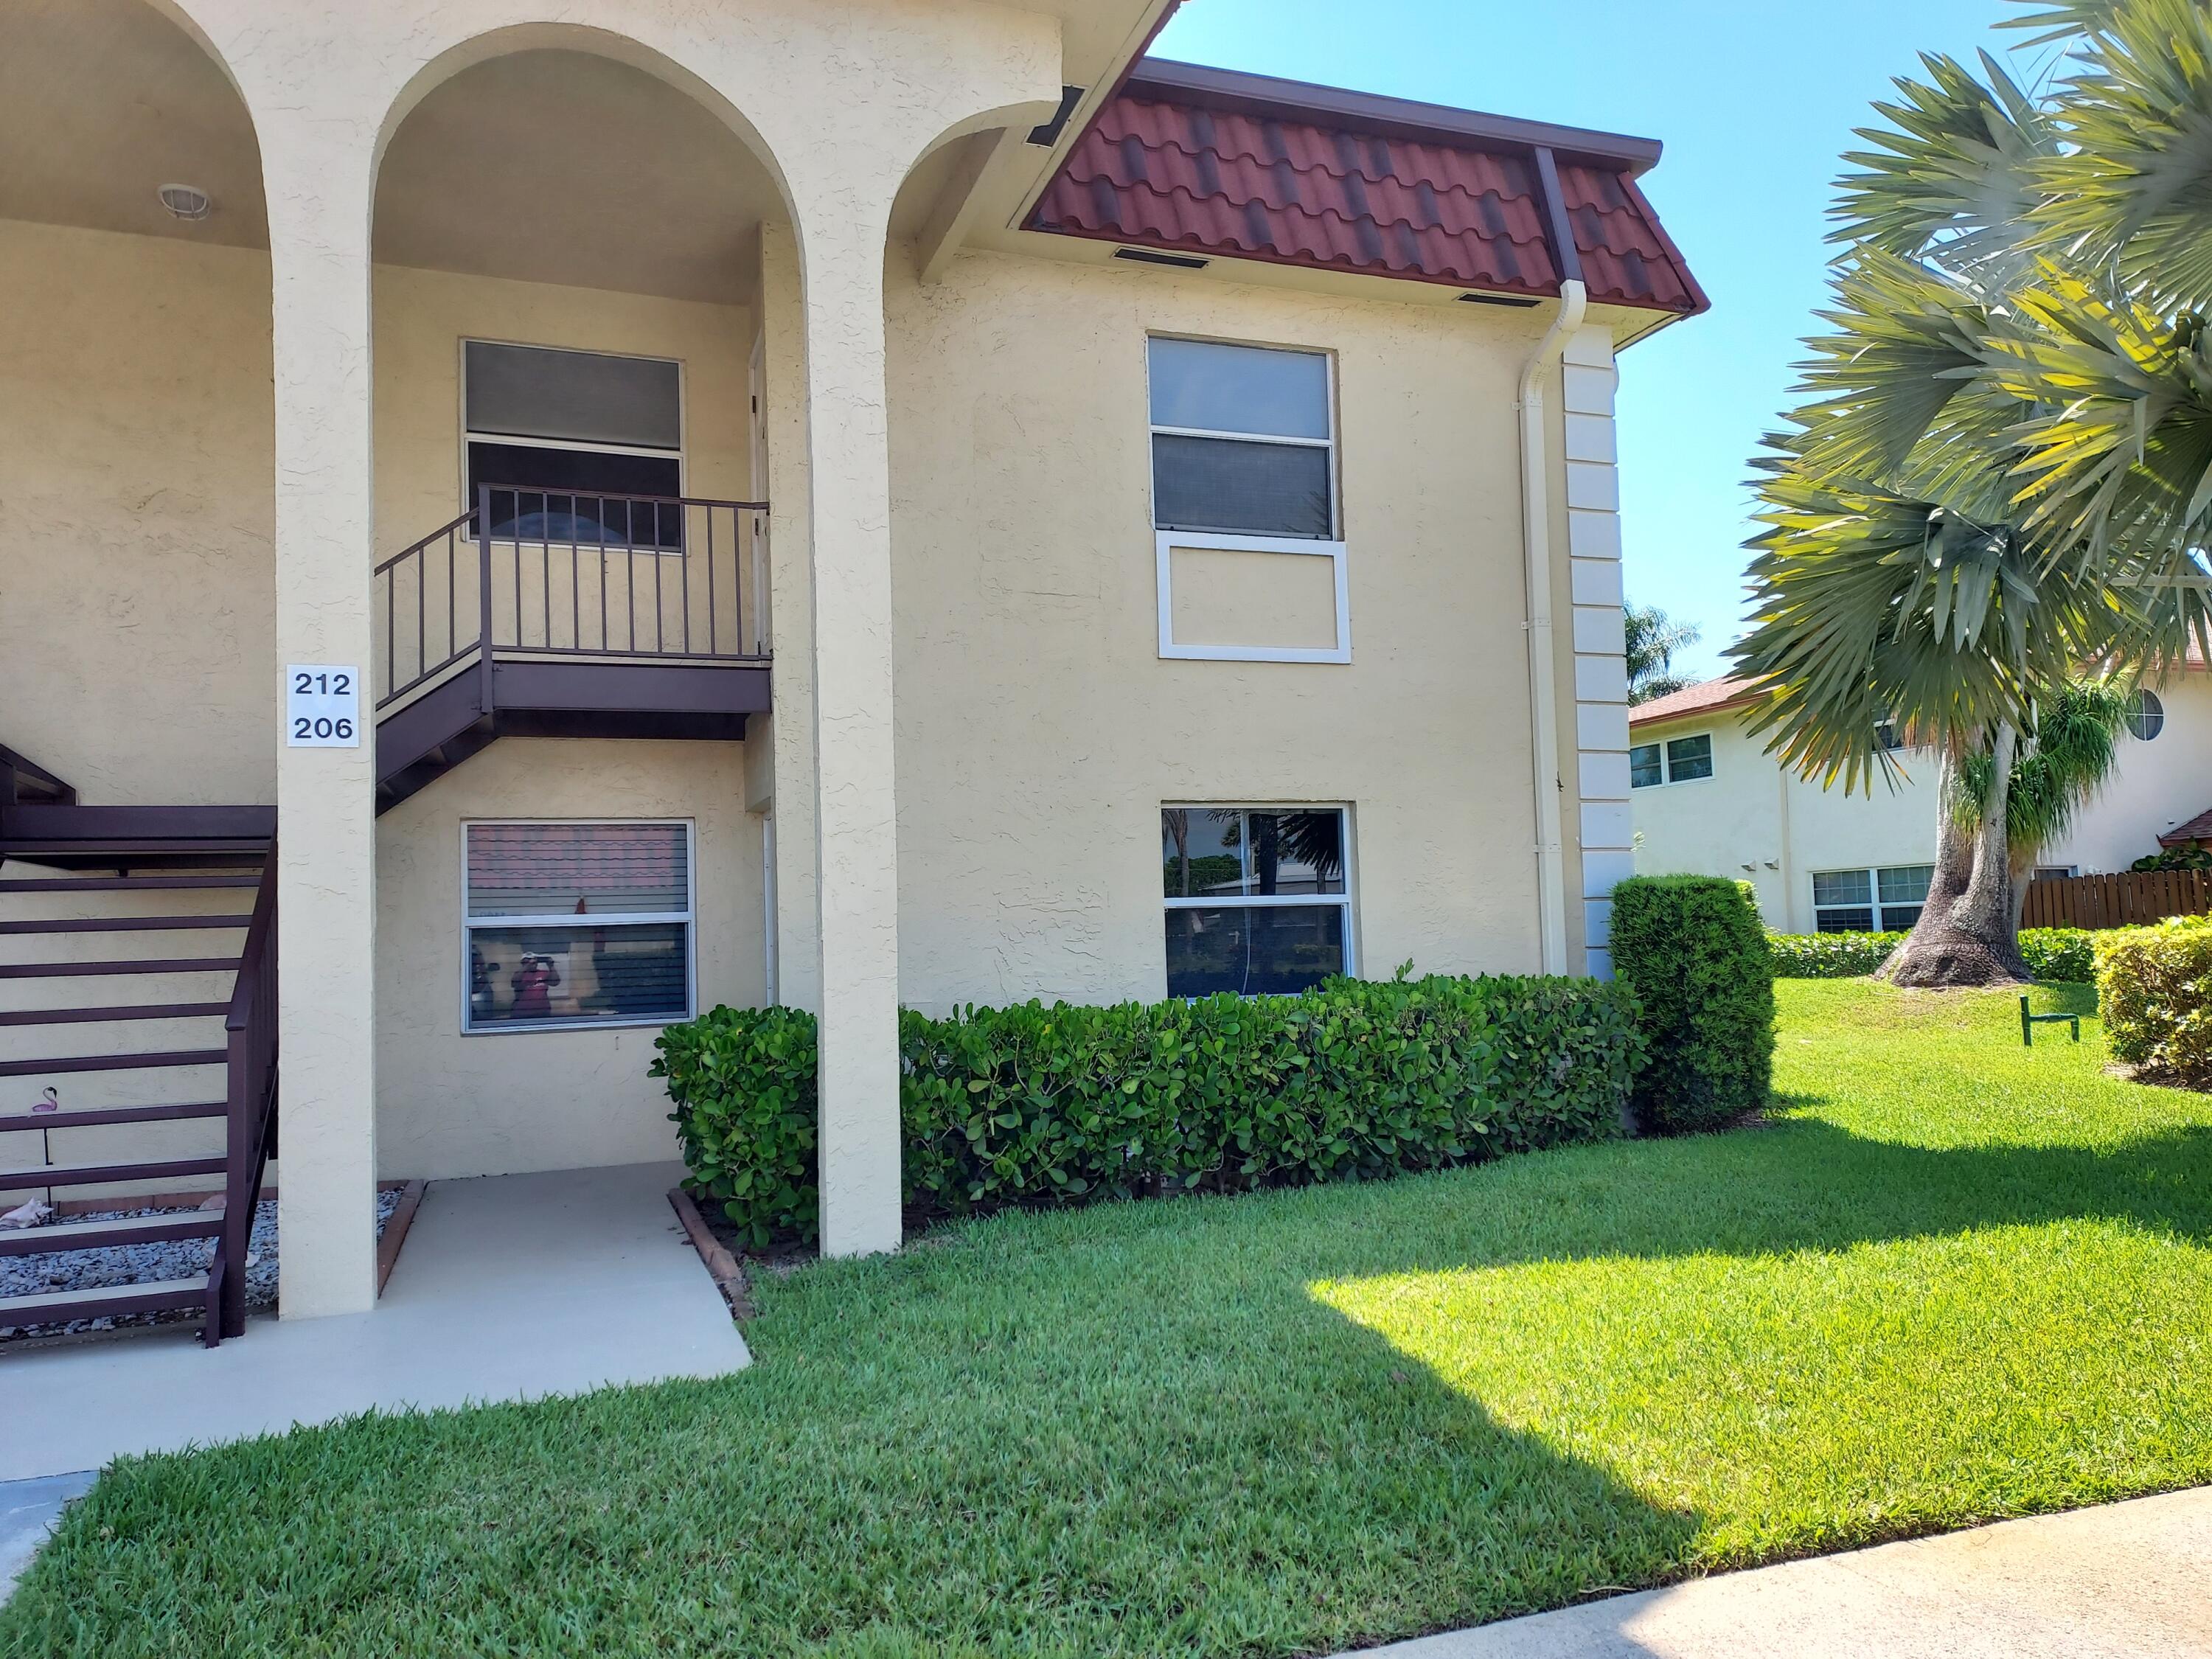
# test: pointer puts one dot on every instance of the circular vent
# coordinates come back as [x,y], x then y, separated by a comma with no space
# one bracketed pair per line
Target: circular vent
[186,201]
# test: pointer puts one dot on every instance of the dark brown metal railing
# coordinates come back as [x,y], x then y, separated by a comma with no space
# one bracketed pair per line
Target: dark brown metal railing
[550,573]
[251,1114]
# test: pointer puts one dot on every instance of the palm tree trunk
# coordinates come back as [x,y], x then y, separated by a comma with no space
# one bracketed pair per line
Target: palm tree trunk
[1967,932]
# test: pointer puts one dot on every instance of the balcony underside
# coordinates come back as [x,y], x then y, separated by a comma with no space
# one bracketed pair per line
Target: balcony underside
[534,697]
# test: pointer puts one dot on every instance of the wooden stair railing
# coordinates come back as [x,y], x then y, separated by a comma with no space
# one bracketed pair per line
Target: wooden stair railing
[152,840]
[250,1108]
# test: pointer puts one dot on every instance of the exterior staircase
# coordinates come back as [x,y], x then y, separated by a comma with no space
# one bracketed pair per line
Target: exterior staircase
[542,614]
[145,996]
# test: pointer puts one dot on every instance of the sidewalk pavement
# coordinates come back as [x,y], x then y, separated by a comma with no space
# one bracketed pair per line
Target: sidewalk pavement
[2126,1581]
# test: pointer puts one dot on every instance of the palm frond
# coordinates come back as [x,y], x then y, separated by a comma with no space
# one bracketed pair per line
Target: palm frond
[2062,19]
[2131,188]
[1906,340]
[1872,606]
[1953,177]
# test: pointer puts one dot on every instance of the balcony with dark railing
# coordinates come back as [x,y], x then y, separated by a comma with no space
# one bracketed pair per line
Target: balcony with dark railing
[546,613]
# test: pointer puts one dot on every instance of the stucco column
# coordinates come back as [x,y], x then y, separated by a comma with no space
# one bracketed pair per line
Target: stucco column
[856,838]
[318,169]
[787,732]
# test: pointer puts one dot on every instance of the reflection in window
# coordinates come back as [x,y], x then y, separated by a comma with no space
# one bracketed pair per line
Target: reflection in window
[1257,899]
[1881,901]
[578,924]
[1679,760]
[1241,440]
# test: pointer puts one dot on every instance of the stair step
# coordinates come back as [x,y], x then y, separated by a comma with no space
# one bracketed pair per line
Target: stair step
[98,969]
[16,1122]
[126,924]
[100,1016]
[113,1062]
[102,1235]
[94,1174]
[58,1307]
[125,884]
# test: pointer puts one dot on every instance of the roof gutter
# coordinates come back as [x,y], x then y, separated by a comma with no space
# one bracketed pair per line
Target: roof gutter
[1543,687]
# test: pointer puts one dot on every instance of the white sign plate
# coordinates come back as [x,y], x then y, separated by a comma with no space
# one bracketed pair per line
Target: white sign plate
[322,705]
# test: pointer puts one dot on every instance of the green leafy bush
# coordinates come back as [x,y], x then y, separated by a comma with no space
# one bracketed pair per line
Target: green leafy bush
[2054,954]
[743,1082]
[2060,953]
[1029,1105]
[2154,990]
[1829,956]
[1693,949]
[2190,855]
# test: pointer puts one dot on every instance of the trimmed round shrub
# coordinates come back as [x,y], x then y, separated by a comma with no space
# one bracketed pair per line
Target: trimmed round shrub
[2154,990]
[1695,949]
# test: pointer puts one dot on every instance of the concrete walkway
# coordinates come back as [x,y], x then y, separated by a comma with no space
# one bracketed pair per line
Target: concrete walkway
[2128,1581]
[514,1288]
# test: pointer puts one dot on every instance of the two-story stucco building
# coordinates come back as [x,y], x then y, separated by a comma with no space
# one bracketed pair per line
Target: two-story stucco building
[1709,800]
[572,522]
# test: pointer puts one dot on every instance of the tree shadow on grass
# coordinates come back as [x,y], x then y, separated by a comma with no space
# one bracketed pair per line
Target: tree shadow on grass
[1137,1429]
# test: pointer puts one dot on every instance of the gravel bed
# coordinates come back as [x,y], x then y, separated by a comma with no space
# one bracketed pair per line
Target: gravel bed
[144,1264]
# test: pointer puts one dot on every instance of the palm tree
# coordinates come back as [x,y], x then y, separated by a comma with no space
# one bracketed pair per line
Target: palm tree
[2003,469]
[1654,637]
[2069,752]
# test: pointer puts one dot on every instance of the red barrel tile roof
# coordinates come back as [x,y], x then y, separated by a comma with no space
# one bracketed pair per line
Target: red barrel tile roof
[1205,162]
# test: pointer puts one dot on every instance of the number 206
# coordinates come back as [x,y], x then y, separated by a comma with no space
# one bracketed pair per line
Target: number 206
[302,727]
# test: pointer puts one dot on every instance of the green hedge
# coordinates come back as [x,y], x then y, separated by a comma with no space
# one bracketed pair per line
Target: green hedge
[2053,953]
[2154,990]
[1693,949]
[1029,1105]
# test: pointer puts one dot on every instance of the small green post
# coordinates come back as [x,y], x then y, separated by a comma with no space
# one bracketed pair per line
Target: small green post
[2027,1024]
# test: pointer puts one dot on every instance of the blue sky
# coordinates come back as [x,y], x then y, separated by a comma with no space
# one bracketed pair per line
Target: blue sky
[1754,100]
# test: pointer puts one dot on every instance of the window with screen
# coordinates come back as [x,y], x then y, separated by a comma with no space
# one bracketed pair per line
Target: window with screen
[1259,899]
[575,444]
[577,923]
[1877,901]
[1242,439]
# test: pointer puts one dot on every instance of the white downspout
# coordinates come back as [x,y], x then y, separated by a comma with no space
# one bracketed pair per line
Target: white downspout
[1543,692]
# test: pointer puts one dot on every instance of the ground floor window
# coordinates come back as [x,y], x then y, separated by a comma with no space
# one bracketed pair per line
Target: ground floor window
[1259,899]
[577,923]
[1878,901]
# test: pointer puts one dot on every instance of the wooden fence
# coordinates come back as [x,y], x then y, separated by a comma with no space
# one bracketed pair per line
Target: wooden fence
[2120,901]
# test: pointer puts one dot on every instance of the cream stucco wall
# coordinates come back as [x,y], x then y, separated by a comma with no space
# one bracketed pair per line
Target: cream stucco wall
[500,1103]
[136,584]
[1039,731]
[1752,813]
[422,317]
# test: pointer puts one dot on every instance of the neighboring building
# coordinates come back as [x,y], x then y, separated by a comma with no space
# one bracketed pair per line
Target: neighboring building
[1709,800]
[922,471]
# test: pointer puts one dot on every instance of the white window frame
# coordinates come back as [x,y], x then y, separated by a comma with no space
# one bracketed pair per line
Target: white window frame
[1346,900]
[1202,542]
[1874,905]
[1667,778]
[680,454]
[1331,546]
[567,921]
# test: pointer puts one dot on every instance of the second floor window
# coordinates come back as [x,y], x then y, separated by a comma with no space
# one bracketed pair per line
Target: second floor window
[1679,760]
[1243,440]
[585,432]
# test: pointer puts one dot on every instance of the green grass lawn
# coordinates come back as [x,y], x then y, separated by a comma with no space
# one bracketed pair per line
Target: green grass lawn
[1955,1280]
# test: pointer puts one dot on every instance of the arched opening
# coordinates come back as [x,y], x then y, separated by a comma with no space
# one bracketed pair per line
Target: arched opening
[135,441]
[570,608]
